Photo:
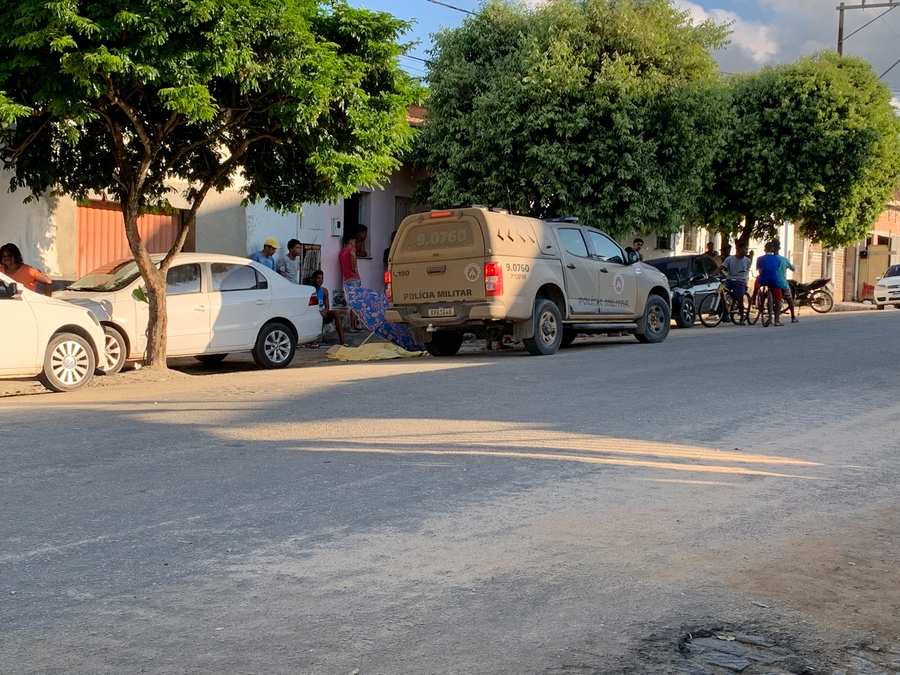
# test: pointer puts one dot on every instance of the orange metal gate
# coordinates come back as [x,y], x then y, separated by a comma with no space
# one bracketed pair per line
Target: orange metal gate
[101,234]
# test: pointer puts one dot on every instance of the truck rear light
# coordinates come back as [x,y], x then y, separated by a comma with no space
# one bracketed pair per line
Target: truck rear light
[313,300]
[441,214]
[388,286]
[493,279]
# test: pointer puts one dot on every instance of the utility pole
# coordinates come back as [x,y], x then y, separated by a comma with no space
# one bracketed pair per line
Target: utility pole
[843,7]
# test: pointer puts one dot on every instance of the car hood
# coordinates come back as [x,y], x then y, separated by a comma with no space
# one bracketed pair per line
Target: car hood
[100,309]
[889,282]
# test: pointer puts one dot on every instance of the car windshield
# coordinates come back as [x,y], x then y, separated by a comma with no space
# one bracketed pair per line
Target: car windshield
[893,271]
[675,269]
[109,278]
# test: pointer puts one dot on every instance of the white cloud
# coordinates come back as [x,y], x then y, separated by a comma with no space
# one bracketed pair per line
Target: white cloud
[756,40]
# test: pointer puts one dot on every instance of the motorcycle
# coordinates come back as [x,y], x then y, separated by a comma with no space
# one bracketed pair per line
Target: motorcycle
[815,294]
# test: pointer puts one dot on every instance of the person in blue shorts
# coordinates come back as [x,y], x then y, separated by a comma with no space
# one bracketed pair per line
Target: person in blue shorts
[768,267]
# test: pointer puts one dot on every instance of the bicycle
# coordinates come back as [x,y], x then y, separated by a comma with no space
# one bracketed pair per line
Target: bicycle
[765,304]
[716,306]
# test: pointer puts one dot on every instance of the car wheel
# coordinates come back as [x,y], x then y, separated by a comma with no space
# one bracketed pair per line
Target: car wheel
[654,325]
[686,315]
[881,306]
[211,359]
[116,351]
[68,364]
[548,329]
[444,343]
[569,335]
[275,346]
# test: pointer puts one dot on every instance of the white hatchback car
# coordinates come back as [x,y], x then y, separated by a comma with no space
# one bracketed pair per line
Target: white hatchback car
[887,288]
[217,305]
[60,344]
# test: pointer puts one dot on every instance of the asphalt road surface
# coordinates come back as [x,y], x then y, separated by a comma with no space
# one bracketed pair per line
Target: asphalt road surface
[492,513]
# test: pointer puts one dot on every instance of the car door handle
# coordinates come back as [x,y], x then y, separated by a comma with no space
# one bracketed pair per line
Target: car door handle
[604,270]
[571,266]
[200,308]
[260,302]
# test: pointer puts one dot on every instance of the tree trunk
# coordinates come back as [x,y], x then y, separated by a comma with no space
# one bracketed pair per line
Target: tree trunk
[155,285]
[747,231]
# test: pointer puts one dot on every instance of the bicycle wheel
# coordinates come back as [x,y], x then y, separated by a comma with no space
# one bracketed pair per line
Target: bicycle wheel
[753,312]
[767,309]
[737,309]
[712,309]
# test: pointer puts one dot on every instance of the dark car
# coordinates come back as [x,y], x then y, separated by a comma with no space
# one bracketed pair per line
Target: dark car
[691,278]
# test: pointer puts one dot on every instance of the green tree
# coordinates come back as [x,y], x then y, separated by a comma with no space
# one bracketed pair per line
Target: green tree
[294,100]
[609,110]
[816,142]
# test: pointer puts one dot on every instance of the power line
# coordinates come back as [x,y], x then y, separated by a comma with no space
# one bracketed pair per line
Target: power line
[454,7]
[417,58]
[869,23]
[893,65]
[843,7]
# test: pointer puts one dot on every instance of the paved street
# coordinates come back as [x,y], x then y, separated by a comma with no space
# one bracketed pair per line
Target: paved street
[492,513]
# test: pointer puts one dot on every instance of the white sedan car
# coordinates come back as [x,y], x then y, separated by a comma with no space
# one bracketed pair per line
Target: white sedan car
[887,288]
[217,305]
[56,342]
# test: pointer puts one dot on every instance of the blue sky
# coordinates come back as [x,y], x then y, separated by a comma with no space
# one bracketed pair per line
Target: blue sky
[764,31]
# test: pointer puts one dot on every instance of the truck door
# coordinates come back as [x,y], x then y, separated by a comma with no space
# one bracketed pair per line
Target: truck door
[581,284]
[616,282]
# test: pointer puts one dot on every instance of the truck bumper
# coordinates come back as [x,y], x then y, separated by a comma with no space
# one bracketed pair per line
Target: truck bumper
[417,316]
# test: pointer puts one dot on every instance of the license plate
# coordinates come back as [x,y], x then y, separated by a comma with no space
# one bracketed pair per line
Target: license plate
[436,312]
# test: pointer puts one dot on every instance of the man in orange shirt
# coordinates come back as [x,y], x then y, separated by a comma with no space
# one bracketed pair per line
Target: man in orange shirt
[12,265]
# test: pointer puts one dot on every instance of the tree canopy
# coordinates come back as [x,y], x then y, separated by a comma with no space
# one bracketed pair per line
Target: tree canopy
[816,142]
[602,109]
[287,100]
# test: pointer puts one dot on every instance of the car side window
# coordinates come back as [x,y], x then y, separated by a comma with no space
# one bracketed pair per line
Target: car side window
[233,277]
[573,242]
[183,279]
[709,265]
[697,266]
[605,248]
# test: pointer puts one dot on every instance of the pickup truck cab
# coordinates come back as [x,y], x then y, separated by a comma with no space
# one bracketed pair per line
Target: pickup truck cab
[482,271]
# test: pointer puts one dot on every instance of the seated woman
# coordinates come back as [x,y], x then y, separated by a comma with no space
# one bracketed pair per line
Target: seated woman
[12,265]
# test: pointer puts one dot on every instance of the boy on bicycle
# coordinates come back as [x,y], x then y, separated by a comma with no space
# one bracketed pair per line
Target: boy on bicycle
[737,267]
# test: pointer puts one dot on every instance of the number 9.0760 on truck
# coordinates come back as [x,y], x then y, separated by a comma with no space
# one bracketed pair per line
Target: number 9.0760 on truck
[490,273]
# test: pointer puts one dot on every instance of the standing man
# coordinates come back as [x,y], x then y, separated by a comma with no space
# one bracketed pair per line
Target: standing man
[288,265]
[266,256]
[783,284]
[634,251]
[738,269]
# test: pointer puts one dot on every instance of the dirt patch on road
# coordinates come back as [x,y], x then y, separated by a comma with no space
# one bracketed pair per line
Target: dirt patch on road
[845,581]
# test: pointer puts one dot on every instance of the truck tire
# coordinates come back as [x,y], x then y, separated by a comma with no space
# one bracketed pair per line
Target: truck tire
[548,329]
[69,363]
[654,325]
[444,343]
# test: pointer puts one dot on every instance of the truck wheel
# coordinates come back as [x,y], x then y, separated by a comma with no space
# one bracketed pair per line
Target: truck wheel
[68,364]
[569,336]
[687,313]
[654,325]
[444,343]
[548,329]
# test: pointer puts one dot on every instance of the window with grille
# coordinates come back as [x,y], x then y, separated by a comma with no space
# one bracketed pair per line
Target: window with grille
[310,261]
[690,238]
